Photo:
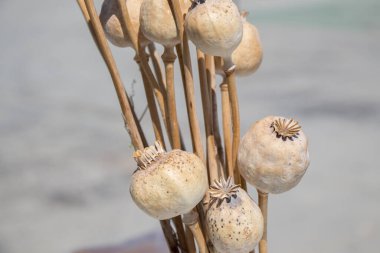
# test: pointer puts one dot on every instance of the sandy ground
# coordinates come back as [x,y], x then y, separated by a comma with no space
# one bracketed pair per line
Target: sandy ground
[65,159]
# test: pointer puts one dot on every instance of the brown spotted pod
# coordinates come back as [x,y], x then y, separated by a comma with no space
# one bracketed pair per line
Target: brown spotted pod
[234,221]
[167,184]
[249,54]
[273,155]
[110,18]
[214,26]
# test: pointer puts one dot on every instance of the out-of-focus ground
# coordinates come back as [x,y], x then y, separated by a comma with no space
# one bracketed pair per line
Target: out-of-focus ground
[65,159]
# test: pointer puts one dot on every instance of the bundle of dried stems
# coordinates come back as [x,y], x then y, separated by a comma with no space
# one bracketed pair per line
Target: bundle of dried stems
[220,156]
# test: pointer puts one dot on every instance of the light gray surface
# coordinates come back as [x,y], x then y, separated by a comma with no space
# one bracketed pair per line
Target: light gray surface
[65,157]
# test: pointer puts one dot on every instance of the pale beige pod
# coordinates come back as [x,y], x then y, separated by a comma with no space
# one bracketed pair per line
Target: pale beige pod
[167,184]
[273,155]
[249,54]
[158,23]
[110,16]
[215,27]
[234,221]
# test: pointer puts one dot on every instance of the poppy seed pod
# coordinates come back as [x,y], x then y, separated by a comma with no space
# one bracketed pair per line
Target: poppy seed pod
[249,54]
[110,16]
[215,27]
[167,184]
[158,23]
[273,155]
[234,221]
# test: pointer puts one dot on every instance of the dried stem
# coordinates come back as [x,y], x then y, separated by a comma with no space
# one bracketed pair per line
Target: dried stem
[229,70]
[156,64]
[226,119]
[110,62]
[191,220]
[263,204]
[184,59]
[156,124]
[207,116]
[210,75]
[169,57]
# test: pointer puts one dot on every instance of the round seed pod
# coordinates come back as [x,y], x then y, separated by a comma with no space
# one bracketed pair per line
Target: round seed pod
[158,23]
[249,54]
[110,16]
[273,155]
[215,27]
[167,184]
[234,221]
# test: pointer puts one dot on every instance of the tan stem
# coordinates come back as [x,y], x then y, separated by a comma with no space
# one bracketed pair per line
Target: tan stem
[215,123]
[181,233]
[156,64]
[169,57]
[188,85]
[210,74]
[226,119]
[207,117]
[130,30]
[119,87]
[263,204]
[169,236]
[231,81]
[190,240]
[191,220]
[156,124]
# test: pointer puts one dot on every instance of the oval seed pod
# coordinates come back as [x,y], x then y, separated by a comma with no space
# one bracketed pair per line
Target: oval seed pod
[249,54]
[215,27]
[110,16]
[167,184]
[158,23]
[234,221]
[273,155]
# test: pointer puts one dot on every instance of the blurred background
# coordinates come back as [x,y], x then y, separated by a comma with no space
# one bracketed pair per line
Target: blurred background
[65,158]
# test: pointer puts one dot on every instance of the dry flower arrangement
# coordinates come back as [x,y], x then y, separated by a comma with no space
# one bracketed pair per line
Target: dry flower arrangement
[201,194]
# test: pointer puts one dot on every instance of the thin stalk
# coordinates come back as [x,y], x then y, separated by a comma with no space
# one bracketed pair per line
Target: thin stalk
[191,221]
[190,240]
[156,124]
[169,57]
[226,119]
[210,74]
[231,81]
[207,116]
[188,85]
[156,64]
[130,30]
[263,204]
[111,65]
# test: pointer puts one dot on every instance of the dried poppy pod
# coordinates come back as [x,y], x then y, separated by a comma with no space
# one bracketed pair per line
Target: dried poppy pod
[157,21]
[215,27]
[273,154]
[167,184]
[249,54]
[234,221]
[110,16]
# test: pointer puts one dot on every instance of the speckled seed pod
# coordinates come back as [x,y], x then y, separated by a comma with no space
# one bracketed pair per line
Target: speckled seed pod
[167,184]
[234,221]
[110,16]
[273,154]
[215,27]
[158,23]
[249,54]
